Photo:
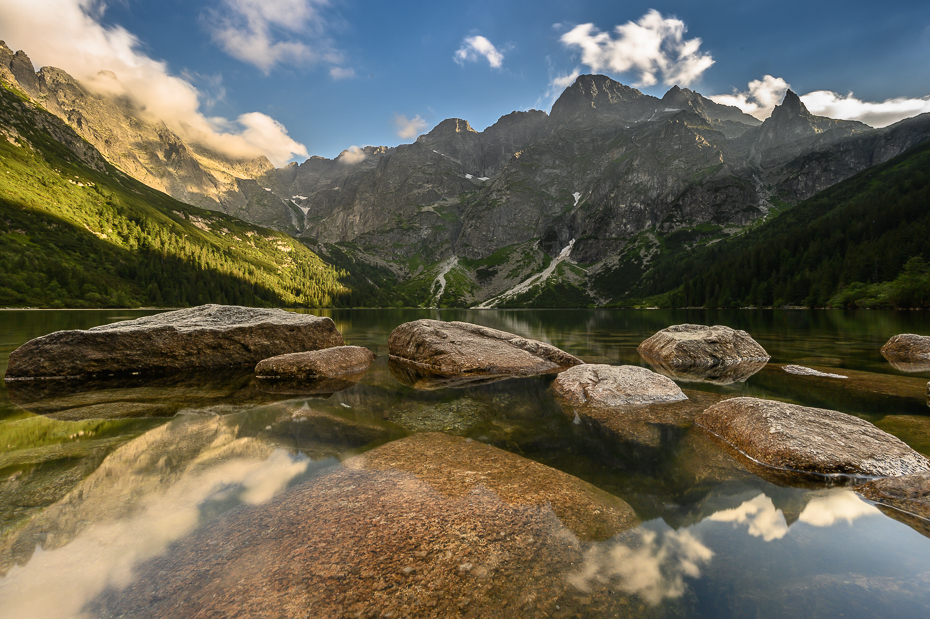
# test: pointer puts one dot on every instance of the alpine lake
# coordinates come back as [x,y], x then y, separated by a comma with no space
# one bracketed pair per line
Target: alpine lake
[214,495]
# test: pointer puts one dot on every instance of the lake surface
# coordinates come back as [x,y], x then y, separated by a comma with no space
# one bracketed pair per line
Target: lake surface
[213,496]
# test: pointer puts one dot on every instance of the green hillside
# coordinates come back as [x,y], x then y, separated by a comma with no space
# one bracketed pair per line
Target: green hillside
[864,242]
[76,232]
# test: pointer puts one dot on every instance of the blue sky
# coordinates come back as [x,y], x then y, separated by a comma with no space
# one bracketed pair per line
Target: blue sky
[296,77]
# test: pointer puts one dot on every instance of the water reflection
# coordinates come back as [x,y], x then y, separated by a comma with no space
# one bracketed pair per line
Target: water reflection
[767,522]
[139,396]
[721,374]
[146,495]
[648,564]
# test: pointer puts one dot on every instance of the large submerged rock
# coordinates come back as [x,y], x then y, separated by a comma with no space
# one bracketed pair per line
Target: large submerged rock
[809,440]
[716,354]
[613,385]
[463,348]
[198,337]
[324,363]
[427,526]
[908,352]
[909,494]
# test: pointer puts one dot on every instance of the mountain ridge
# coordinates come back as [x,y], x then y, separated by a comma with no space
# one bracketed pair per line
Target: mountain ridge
[461,216]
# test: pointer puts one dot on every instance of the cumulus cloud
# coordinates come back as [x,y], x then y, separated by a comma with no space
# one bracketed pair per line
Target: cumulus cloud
[763,95]
[826,103]
[266,33]
[107,60]
[653,49]
[475,47]
[759,99]
[351,156]
[408,128]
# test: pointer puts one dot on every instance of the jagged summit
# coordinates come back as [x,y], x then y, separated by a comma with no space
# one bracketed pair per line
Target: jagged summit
[593,97]
[791,107]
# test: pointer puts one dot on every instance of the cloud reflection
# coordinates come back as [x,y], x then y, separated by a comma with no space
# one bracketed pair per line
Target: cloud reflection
[764,519]
[825,511]
[647,564]
[768,522]
[59,583]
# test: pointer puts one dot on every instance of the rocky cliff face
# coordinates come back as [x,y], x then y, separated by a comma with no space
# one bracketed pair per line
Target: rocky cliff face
[146,149]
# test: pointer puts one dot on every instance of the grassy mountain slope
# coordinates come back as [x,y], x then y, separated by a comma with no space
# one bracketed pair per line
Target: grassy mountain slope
[861,243]
[76,232]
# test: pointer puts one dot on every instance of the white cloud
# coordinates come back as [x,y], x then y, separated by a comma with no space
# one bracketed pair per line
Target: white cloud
[341,73]
[266,33]
[653,48]
[826,103]
[556,85]
[760,514]
[763,95]
[351,156]
[408,128]
[67,34]
[646,564]
[474,47]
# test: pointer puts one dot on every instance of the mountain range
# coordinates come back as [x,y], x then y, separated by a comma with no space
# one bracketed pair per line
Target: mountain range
[566,208]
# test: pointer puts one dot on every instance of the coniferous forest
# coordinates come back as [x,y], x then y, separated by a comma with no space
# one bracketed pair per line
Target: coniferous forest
[864,242]
[76,232]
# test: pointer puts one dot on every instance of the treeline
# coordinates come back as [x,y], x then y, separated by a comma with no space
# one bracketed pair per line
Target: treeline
[73,236]
[849,246]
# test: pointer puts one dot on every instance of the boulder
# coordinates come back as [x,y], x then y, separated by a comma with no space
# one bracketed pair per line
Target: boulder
[716,354]
[809,440]
[426,526]
[326,363]
[614,385]
[908,352]
[462,348]
[200,337]
[910,493]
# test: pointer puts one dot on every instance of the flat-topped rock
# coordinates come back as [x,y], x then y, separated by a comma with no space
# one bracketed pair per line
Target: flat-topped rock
[325,363]
[910,493]
[908,352]
[460,348]
[199,337]
[809,440]
[614,385]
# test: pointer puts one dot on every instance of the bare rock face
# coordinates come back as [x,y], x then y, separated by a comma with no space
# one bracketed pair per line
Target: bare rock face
[324,363]
[612,385]
[910,493]
[809,440]
[198,337]
[908,352]
[463,348]
[714,354]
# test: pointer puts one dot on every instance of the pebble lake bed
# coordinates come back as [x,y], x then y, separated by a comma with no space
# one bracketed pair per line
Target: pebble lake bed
[391,492]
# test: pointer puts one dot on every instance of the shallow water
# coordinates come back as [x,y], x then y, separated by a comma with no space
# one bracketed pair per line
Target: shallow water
[212,494]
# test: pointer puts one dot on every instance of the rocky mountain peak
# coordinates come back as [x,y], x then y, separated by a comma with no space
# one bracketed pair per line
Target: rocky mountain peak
[450,126]
[791,107]
[593,97]
[21,67]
